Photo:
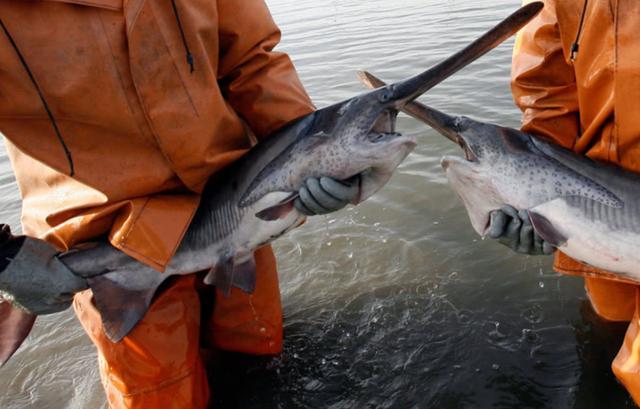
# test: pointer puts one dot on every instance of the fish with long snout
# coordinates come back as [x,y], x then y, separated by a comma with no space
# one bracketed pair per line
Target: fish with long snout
[250,203]
[587,209]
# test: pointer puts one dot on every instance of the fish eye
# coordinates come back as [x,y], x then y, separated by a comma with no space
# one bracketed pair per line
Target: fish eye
[385,95]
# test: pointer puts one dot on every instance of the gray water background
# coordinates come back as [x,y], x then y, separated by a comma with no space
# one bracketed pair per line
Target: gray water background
[396,303]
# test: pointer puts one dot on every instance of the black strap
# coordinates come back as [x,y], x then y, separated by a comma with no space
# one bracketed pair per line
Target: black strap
[184,39]
[44,101]
[576,45]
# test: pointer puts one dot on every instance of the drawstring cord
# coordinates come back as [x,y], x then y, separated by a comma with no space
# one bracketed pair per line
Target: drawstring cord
[575,46]
[44,102]
[184,39]
[52,119]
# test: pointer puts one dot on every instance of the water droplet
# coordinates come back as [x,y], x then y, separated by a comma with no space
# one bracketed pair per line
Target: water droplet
[495,366]
[350,255]
[295,356]
[436,223]
[384,240]
[540,284]
[323,361]
[328,244]
[376,224]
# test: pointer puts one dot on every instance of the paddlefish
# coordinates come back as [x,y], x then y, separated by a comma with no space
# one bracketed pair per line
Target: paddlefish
[587,209]
[250,203]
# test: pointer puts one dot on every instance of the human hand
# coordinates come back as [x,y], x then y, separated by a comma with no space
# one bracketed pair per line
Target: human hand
[513,229]
[325,194]
[32,277]
[9,245]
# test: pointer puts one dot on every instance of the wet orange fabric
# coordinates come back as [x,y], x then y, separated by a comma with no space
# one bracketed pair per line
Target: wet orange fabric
[589,105]
[626,365]
[138,123]
[144,133]
[158,364]
[258,329]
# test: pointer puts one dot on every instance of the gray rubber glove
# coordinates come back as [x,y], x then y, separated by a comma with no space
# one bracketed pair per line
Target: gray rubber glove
[514,230]
[33,278]
[325,194]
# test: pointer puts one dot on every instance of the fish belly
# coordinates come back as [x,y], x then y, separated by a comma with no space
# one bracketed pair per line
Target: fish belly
[250,234]
[595,236]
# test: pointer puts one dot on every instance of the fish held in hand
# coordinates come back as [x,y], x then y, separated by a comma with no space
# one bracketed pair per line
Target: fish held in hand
[251,202]
[587,209]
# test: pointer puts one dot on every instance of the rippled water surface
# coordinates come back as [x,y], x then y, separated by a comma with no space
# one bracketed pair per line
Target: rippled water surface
[396,303]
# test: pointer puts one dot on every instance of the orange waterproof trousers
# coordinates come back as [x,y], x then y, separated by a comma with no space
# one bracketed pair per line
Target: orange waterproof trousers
[158,364]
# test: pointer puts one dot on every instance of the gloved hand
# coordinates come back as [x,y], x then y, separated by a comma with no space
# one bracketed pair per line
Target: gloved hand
[514,230]
[325,194]
[32,277]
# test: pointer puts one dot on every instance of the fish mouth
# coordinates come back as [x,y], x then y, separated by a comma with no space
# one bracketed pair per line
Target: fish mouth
[447,125]
[391,148]
[469,155]
[388,137]
[465,177]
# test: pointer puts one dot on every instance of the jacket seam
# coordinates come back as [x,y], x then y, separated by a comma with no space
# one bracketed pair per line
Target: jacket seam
[163,262]
[114,63]
[175,66]
[616,125]
[134,17]
[125,237]
[89,3]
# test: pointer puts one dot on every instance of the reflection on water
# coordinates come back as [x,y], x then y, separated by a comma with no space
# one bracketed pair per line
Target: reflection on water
[396,303]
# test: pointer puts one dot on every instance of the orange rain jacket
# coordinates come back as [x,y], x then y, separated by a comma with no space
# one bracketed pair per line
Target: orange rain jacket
[589,104]
[145,129]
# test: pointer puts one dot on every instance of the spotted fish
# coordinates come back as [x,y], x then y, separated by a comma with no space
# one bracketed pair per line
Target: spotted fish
[587,209]
[250,203]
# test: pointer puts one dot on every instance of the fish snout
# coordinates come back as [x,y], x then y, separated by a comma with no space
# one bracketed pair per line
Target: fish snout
[409,143]
[448,161]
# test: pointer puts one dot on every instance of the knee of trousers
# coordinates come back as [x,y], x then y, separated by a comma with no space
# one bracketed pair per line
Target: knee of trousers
[249,323]
[626,365]
[611,300]
[160,354]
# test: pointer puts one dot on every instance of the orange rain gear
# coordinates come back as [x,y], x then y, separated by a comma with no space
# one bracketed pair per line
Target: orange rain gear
[589,104]
[150,98]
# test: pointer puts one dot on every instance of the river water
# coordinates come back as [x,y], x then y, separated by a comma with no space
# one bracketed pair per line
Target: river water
[396,303]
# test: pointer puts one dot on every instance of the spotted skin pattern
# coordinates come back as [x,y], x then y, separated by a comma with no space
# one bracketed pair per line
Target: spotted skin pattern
[594,206]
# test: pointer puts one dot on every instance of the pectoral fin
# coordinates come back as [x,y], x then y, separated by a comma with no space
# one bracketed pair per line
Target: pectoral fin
[228,273]
[15,325]
[244,276]
[221,275]
[123,298]
[279,211]
[546,230]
